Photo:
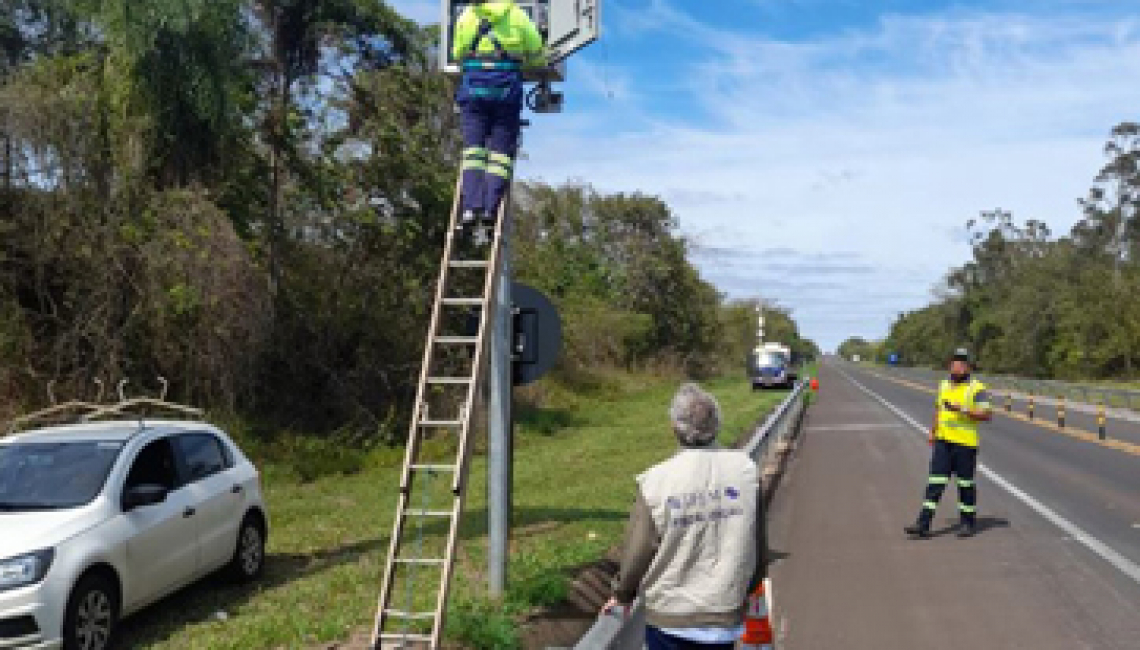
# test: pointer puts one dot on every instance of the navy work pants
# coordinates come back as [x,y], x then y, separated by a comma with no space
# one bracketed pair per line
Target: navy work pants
[948,459]
[490,138]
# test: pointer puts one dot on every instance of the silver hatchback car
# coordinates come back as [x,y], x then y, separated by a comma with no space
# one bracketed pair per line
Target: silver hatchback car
[98,520]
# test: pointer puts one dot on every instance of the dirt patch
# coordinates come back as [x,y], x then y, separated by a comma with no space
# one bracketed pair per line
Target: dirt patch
[562,625]
[361,640]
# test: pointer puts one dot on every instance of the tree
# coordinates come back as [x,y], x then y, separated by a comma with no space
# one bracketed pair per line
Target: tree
[1030,303]
[858,346]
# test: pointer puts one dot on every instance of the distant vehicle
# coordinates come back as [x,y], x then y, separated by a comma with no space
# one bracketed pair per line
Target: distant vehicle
[771,365]
[101,519]
[893,359]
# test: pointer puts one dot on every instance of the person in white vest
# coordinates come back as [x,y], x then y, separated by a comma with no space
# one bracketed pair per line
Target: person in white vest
[696,544]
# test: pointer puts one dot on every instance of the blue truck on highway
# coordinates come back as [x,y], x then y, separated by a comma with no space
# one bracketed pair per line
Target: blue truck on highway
[771,365]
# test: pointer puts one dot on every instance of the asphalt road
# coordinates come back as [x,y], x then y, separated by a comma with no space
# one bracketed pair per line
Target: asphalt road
[1057,564]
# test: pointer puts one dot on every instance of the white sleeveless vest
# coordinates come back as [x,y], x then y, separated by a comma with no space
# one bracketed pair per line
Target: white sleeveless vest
[704,505]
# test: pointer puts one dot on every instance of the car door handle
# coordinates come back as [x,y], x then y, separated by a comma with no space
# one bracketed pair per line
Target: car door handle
[188,512]
[237,489]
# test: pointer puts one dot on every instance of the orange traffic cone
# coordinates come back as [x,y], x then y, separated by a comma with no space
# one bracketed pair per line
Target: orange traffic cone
[757,629]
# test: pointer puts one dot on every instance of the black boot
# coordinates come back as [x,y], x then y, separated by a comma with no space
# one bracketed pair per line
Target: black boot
[488,218]
[468,218]
[918,530]
[968,528]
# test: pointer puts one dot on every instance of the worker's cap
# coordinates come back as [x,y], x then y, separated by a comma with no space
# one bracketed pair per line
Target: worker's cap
[961,354]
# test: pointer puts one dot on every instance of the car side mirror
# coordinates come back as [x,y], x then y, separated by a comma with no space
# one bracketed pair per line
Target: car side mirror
[143,495]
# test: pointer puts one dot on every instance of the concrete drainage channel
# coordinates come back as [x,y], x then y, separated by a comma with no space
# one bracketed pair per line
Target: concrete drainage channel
[770,446]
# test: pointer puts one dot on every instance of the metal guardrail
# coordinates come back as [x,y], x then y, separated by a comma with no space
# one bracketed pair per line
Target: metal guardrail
[1094,395]
[778,427]
[769,440]
[616,633]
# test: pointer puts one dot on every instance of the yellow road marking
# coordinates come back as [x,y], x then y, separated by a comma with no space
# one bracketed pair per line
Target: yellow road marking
[1078,434]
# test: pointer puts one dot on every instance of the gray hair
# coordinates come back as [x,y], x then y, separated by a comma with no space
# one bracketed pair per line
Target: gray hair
[695,415]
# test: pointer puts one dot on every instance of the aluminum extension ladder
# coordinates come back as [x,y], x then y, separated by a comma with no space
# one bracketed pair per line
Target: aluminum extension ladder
[410,613]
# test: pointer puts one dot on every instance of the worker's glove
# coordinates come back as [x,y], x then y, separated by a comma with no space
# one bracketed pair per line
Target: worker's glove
[952,407]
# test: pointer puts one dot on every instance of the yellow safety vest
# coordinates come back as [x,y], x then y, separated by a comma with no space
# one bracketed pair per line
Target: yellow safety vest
[958,427]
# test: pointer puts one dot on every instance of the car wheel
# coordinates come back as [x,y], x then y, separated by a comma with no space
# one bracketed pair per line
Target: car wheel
[91,616]
[249,555]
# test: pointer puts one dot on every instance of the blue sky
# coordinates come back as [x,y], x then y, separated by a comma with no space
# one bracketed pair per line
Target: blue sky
[826,154]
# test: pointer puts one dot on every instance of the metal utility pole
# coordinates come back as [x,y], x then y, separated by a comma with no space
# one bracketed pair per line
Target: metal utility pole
[759,324]
[500,425]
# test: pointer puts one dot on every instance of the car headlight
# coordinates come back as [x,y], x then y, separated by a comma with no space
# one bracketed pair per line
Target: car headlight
[25,570]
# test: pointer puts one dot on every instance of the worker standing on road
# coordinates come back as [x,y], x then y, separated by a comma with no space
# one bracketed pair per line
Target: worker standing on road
[494,41]
[696,544]
[961,404]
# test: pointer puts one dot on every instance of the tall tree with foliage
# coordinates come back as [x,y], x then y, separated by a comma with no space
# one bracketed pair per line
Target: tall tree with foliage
[1034,304]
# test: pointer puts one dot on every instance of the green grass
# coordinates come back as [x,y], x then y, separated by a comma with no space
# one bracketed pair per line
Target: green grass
[576,457]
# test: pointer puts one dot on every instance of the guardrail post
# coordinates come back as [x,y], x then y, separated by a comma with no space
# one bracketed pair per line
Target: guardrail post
[1100,419]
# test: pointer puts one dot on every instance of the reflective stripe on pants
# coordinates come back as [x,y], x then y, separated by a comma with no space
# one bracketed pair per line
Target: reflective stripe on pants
[492,126]
[948,458]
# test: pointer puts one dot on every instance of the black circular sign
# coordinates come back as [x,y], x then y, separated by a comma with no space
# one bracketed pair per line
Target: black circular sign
[536,338]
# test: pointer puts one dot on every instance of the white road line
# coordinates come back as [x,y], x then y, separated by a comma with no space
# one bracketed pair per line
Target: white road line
[854,427]
[1106,553]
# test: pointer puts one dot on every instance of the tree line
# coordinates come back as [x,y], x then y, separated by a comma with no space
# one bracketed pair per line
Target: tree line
[249,198]
[1034,304]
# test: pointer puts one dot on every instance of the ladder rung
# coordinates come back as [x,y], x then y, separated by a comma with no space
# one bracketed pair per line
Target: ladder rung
[468,264]
[457,340]
[405,637]
[399,613]
[449,380]
[441,423]
[420,561]
[463,301]
[420,512]
[433,468]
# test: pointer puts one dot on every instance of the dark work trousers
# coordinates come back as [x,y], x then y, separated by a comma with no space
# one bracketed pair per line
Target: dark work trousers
[655,639]
[949,458]
[490,138]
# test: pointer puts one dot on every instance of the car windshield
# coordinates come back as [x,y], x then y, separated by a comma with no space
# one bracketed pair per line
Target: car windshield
[768,359]
[53,475]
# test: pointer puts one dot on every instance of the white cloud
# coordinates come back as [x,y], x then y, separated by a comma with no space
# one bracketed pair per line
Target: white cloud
[421,11]
[604,81]
[882,141]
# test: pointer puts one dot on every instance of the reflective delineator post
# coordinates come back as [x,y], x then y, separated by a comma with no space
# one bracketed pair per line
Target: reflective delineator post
[1031,406]
[1100,420]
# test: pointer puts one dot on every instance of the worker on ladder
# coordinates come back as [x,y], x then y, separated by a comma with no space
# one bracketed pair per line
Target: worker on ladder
[494,41]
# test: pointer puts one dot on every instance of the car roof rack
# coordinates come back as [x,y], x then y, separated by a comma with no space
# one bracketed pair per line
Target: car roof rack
[78,411]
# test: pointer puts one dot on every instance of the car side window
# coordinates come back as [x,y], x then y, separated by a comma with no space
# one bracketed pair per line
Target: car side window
[154,465]
[202,455]
[227,454]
